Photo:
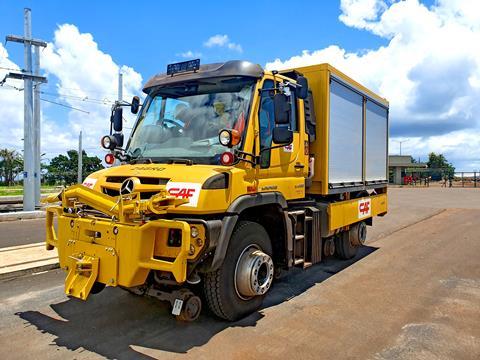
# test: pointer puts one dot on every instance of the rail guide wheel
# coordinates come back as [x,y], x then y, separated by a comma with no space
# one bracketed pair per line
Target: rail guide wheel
[191,309]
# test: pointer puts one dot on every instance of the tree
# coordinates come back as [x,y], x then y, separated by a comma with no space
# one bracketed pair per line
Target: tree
[11,164]
[63,169]
[439,162]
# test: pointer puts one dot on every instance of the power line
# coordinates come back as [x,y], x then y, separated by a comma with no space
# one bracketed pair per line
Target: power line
[67,106]
[10,69]
[87,90]
[80,98]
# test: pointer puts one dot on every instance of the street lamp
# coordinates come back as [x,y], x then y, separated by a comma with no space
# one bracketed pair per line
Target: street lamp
[401,142]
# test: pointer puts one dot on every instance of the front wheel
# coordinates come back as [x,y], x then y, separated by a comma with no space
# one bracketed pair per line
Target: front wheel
[238,287]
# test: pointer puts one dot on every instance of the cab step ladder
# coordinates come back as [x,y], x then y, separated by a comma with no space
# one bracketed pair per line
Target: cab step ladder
[307,243]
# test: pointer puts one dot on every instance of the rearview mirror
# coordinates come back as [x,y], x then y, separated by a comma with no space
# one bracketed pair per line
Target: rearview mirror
[135,105]
[282,109]
[117,119]
[282,136]
[119,139]
[302,88]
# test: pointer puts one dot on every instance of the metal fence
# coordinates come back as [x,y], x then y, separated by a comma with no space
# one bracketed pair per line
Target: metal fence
[441,177]
[465,179]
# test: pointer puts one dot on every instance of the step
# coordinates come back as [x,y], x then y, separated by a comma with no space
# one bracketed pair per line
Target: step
[298,262]
[299,237]
[297,212]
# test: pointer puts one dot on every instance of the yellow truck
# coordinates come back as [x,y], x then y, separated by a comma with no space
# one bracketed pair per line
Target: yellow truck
[231,175]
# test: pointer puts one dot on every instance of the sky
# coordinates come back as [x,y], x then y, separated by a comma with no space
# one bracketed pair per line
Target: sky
[423,56]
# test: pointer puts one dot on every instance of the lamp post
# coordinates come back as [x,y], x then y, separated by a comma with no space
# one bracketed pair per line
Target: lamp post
[401,142]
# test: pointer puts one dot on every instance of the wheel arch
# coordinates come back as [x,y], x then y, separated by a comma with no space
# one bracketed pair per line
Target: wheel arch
[269,207]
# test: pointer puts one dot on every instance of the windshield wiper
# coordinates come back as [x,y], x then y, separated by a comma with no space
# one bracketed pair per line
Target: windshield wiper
[141,160]
[180,161]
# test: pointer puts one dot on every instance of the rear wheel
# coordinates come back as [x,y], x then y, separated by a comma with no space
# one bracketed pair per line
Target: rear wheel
[238,287]
[343,246]
[348,242]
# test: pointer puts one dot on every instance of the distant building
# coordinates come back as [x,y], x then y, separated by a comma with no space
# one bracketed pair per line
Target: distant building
[400,166]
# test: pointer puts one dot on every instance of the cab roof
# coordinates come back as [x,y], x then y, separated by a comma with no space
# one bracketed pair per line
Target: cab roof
[228,68]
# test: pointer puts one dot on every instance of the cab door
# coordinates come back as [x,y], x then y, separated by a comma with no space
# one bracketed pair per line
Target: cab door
[281,168]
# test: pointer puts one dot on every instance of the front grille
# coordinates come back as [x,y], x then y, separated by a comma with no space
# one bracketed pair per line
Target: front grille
[111,192]
[143,194]
[143,180]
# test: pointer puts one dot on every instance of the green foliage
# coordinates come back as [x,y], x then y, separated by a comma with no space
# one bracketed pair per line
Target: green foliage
[63,169]
[439,162]
[11,164]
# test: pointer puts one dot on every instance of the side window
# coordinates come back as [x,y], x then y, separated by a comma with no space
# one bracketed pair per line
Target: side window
[266,118]
[293,107]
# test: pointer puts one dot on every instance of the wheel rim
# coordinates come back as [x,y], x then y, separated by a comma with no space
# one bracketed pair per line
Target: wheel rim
[253,273]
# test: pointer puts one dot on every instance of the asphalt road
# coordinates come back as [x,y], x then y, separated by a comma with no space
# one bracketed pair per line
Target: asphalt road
[412,293]
[22,232]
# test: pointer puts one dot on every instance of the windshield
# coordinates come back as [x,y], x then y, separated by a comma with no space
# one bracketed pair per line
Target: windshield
[183,121]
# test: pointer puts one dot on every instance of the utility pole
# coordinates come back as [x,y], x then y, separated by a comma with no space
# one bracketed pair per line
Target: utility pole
[29,134]
[120,87]
[37,131]
[80,159]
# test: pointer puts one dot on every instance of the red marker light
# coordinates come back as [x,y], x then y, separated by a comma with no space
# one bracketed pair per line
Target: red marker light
[227,158]
[109,158]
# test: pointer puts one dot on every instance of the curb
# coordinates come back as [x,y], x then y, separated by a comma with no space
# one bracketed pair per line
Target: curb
[40,268]
[22,215]
[20,260]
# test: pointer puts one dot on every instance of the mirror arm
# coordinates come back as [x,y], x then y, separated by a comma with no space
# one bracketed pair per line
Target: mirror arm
[274,147]
[255,158]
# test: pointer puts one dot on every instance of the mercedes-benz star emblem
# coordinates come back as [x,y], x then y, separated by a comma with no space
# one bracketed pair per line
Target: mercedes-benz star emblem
[127,186]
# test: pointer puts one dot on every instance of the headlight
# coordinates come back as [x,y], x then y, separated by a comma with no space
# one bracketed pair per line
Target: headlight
[193,232]
[225,137]
[108,142]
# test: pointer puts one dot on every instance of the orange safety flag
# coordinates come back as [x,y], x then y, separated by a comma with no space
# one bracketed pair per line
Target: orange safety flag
[240,123]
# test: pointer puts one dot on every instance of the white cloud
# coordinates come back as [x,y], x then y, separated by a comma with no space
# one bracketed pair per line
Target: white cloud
[190,54]
[11,103]
[222,41]
[85,72]
[429,71]
[216,40]
[87,79]
[358,13]
[235,47]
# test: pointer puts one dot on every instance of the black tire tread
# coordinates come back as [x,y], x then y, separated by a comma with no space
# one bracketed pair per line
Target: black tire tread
[212,293]
[212,285]
[342,251]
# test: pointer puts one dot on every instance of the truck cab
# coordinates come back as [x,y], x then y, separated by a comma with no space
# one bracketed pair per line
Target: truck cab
[230,175]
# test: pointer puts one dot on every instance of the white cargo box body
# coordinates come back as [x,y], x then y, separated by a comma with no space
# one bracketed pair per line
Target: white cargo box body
[351,145]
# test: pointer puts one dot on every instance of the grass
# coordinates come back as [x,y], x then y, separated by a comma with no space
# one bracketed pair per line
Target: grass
[18,190]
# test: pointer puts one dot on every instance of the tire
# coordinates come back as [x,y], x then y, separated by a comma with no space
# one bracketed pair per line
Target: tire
[345,250]
[219,286]
[97,288]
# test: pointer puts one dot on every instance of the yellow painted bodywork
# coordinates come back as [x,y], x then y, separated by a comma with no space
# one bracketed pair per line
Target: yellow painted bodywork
[344,213]
[121,247]
[120,250]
